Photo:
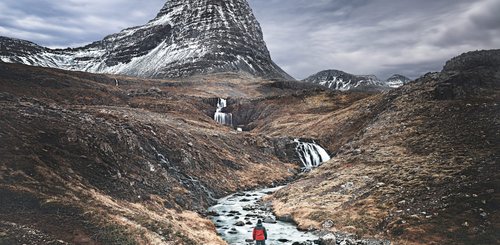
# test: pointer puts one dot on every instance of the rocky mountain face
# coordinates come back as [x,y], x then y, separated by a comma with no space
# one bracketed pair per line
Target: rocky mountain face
[339,80]
[187,37]
[343,81]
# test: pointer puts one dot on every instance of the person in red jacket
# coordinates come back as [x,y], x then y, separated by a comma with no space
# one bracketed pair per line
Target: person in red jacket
[259,234]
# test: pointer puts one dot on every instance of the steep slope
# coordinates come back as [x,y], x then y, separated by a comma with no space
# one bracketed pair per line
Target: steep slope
[421,169]
[396,81]
[85,161]
[187,37]
[339,80]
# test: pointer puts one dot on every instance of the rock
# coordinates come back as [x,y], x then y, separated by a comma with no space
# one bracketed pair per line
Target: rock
[283,240]
[269,220]
[249,208]
[328,224]
[286,218]
[329,239]
[212,213]
[239,223]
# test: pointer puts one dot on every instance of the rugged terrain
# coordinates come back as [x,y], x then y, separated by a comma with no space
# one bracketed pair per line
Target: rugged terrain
[94,159]
[101,159]
[186,38]
[419,164]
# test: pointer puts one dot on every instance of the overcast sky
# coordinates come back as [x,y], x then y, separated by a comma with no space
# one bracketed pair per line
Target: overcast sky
[380,37]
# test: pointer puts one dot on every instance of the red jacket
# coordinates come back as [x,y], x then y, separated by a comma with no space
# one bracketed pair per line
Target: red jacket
[259,233]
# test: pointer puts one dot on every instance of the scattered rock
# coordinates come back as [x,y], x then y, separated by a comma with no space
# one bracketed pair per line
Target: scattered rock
[269,220]
[239,223]
[329,239]
[328,224]
[213,213]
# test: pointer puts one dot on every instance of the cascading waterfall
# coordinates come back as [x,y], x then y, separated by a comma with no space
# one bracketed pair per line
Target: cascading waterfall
[311,155]
[221,117]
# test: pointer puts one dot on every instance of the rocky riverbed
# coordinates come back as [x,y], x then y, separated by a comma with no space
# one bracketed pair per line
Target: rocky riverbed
[237,214]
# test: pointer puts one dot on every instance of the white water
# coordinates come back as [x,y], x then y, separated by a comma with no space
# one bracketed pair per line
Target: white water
[221,117]
[311,154]
[236,204]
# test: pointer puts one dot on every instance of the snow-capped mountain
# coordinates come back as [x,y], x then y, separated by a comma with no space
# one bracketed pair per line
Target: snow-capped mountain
[187,37]
[339,80]
[343,81]
[396,81]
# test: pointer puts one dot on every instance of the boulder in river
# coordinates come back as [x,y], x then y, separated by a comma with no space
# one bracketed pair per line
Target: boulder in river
[239,223]
[269,220]
[212,213]
[329,239]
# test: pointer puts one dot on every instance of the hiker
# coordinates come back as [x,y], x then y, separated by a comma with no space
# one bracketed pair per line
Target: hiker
[259,234]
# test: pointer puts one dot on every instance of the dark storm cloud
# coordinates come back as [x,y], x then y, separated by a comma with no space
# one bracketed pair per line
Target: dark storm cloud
[379,37]
[375,37]
[72,22]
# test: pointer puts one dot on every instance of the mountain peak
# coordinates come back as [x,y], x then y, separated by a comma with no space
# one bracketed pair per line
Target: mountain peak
[397,80]
[340,80]
[186,38]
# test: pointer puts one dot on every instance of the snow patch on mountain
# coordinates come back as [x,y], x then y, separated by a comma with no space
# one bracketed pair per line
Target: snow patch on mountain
[187,37]
[343,81]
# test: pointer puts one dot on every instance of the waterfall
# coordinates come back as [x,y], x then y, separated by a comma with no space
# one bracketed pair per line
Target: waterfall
[221,117]
[311,155]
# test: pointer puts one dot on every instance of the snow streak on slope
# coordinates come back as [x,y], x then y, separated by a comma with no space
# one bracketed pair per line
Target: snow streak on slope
[339,80]
[187,37]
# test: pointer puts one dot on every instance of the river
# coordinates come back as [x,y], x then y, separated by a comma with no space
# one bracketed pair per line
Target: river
[246,208]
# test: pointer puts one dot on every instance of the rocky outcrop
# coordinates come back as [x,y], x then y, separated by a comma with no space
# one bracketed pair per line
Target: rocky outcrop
[484,59]
[187,37]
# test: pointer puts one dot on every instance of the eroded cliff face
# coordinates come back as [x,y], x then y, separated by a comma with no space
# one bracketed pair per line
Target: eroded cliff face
[186,38]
